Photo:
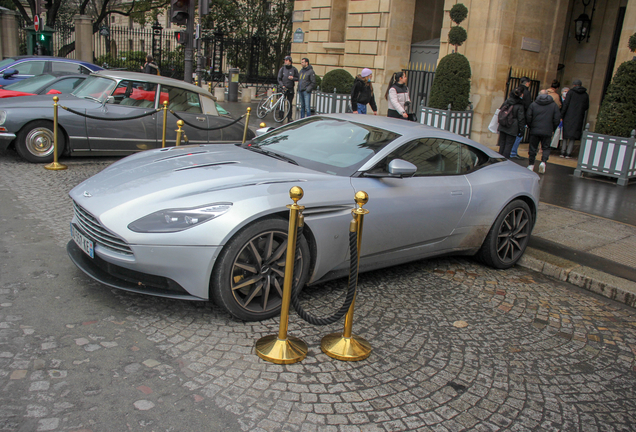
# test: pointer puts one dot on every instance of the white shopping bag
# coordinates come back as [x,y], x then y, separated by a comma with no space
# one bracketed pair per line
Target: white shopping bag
[494,123]
[557,136]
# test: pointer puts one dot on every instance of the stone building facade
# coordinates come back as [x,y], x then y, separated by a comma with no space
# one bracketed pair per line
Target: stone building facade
[535,37]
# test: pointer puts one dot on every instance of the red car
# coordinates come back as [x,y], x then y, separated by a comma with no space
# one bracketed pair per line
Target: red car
[48,83]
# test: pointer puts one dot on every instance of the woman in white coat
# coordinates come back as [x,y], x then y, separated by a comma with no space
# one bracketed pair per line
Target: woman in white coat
[398,96]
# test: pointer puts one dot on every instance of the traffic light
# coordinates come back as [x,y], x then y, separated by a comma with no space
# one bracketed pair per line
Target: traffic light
[179,13]
[181,36]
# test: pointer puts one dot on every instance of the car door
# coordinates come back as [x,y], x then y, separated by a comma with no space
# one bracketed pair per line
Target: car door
[414,216]
[129,99]
[187,105]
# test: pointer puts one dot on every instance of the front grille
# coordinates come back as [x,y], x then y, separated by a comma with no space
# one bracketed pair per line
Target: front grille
[97,233]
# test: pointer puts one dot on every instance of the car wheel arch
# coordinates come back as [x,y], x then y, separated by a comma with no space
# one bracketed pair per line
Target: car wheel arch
[64,141]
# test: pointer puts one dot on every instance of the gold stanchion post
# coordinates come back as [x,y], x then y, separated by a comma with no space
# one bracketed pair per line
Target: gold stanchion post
[247,122]
[281,348]
[179,132]
[165,123]
[262,125]
[210,87]
[347,346]
[55,165]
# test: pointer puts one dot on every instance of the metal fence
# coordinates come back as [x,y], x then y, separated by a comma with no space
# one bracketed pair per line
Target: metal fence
[326,103]
[607,155]
[459,122]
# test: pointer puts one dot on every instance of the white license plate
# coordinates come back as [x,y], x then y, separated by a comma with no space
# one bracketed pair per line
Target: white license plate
[80,239]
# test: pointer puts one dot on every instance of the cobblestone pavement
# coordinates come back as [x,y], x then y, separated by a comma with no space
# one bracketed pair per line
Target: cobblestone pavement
[536,354]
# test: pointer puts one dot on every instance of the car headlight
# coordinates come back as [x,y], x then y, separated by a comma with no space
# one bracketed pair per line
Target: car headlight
[175,220]
[3,116]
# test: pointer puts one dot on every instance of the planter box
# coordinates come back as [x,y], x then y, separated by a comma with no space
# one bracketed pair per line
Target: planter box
[608,156]
[459,122]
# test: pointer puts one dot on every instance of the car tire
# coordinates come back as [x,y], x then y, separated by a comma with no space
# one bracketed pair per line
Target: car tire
[35,141]
[256,255]
[508,237]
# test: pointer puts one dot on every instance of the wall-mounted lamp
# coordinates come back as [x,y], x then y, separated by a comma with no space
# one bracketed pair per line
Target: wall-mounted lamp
[583,23]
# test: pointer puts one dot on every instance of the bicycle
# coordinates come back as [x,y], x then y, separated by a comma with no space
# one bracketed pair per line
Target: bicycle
[278,103]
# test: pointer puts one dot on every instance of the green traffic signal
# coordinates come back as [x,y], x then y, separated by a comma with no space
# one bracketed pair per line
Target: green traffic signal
[42,37]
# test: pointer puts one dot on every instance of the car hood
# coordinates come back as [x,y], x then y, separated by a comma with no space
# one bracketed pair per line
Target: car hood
[192,175]
[40,101]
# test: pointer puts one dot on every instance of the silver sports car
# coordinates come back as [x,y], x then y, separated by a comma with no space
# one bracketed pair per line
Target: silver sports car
[209,221]
[111,98]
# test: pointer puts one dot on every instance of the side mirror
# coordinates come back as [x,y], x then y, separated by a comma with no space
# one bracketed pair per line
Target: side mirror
[9,73]
[402,168]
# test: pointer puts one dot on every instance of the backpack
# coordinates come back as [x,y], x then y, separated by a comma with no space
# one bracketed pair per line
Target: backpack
[506,117]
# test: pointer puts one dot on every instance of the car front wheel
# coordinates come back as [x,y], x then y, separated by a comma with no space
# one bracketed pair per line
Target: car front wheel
[249,273]
[508,237]
[35,142]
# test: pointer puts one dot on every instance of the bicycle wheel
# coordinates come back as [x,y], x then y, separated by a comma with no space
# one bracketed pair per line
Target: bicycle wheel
[264,107]
[282,110]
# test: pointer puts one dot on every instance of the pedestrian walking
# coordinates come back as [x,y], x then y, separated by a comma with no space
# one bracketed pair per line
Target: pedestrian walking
[512,121]
[287,77]
[527,100]
[150,67]
[398,96]
[542,118]
[306,84]
[553,91]
[362,93]
[576,103]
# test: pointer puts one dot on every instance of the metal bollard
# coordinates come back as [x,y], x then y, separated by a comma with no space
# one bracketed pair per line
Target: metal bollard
[55,165]
[281,348]
[346,346]
[247,121]
[165,122]
[179,132]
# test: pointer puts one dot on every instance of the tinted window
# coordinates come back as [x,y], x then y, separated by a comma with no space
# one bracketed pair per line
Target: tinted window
[435,156]
[65,67]
[134,93]
[29,85]
[66,85]
[30,67]
[182,100]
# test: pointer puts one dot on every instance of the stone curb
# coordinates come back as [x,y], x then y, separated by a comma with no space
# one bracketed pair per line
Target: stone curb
[607,285]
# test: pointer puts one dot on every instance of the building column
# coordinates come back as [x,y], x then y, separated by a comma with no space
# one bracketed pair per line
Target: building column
[9,42]
[83,38]
[629,28]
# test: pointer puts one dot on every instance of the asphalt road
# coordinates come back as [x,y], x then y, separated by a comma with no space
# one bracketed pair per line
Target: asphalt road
[536,354]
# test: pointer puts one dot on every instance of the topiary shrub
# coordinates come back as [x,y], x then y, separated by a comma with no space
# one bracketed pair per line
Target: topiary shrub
[318,81]
[632,43]
[617,115]
[452,83]
[339,79]
[458,13]
[457,36]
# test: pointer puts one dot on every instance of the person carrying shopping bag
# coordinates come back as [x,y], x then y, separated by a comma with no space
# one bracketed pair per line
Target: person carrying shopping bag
[398,97]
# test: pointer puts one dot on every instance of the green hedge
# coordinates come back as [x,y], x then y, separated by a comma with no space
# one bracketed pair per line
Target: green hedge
[617,115]
[339,79]
[452,83]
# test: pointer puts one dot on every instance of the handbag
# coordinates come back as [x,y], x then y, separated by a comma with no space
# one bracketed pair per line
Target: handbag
[494,123]
[557,136]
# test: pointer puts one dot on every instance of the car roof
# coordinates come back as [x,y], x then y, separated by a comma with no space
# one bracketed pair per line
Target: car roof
[408,129]
[62,59]
[155,79]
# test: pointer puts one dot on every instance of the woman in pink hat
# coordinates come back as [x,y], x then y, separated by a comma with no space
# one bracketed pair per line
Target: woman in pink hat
[362,93]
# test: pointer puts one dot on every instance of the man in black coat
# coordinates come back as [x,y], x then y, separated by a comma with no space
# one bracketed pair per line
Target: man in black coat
[287,77]
[573,111]
[542,118]
[526,99]
[507,134]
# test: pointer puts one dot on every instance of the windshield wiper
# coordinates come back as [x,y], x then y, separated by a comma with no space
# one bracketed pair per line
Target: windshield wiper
[272,154]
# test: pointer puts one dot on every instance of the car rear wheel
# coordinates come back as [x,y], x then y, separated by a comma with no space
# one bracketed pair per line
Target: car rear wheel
[249,273]
[508,237]
[35,142]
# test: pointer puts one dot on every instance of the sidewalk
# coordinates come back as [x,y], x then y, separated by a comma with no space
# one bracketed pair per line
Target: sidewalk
[585,233]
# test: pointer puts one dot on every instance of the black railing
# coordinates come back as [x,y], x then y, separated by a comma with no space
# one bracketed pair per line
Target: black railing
[420,81]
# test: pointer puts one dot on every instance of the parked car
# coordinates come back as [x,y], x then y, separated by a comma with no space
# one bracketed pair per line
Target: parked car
[49,83]
[26,123]
[13,69]
[209,222]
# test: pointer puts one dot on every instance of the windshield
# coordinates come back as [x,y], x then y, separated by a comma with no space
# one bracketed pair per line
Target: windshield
[329,145]
[95,88]
[6,62]
[30,85]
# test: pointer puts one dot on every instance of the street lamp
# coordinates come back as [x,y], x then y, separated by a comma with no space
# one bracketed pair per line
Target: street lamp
[583,23]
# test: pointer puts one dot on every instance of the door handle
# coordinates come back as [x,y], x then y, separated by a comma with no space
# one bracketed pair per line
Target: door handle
[454,193]
[201,119]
